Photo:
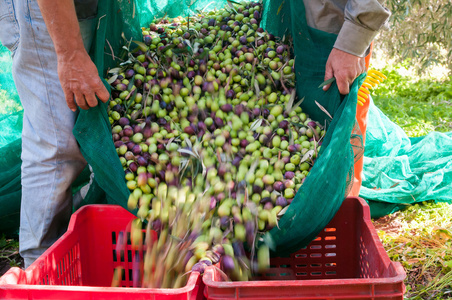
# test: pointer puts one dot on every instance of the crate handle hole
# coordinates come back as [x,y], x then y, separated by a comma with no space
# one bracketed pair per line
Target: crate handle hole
[316,265]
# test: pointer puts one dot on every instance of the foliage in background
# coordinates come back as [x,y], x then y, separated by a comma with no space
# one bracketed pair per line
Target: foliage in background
[419,237]
[419,30]
[419,106]
[7,105]
[9,254]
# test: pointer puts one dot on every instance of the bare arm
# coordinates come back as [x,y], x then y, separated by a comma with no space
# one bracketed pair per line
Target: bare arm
[78,74]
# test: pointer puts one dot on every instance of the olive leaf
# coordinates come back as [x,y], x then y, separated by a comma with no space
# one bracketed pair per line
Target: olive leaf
[231,5]
[283,211]
[112,79]
[256,124]
[280,7]
[326,82]
[308,155]
[291,100]
[296,105]
[323,109]
[115,70]
[141,45]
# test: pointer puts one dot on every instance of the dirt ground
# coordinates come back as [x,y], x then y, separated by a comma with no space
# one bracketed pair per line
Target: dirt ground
[9,256]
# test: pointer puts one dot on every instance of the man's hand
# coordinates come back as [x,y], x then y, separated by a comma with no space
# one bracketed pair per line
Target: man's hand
[79,80]
[78,74]
[345,68]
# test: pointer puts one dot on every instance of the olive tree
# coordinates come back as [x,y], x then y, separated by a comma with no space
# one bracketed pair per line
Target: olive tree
[420,31]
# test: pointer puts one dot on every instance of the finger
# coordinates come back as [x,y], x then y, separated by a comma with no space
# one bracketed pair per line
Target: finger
[90,99]
[328,74]
[343,86]
[80,99]
[70,100]
[102,93]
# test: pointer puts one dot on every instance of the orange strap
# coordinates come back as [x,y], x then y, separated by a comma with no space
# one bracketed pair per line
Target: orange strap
[361,117]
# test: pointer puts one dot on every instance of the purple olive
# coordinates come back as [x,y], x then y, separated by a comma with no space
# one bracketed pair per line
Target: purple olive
[129,73]
[227,263]
[206,262]
[118,144]
[257,15]
[281,201]
[136,149]
[213,202]
[189,130]
[257,189]
[239,250]
[226,107]
[284,124]
[191,74]
[256,112]
[199,267]
[236,161]
[292,148]
[268,205]
[128,131]
[224,222]
[265,200]
[218,122]
[278,186]
[218,249]
[142,161]
[230,94]
[244,143]
[133,167]
[121,87]
[212,22]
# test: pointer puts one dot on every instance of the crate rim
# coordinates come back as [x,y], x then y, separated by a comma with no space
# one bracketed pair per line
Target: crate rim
[401,275]
[7,281]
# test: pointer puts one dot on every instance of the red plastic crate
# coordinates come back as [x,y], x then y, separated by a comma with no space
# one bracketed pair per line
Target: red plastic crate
[345,261]
[80,264]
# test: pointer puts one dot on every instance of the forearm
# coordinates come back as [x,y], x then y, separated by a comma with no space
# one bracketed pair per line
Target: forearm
[62,24]
[362,21]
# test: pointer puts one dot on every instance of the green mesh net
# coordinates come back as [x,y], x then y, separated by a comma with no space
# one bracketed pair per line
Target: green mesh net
[11,115]
[325,188]
[400,171]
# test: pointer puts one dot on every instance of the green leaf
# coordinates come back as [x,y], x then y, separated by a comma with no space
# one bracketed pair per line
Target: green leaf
[326,82]
[280,7]
[290,102]
[323,109]
[142,45]
[112,79]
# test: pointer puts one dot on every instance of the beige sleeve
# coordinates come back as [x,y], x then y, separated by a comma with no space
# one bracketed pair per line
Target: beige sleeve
[363,20]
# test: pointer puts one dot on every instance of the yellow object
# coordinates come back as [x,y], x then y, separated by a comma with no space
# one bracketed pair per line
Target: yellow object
[372,80]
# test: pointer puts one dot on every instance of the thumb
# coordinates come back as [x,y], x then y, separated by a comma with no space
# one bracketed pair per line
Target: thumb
[328,75]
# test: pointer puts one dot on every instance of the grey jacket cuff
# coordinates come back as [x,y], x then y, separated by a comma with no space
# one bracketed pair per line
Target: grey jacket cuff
[354,39]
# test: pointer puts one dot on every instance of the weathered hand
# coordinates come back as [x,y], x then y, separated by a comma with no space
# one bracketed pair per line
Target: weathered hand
[80,80]
[345,68]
